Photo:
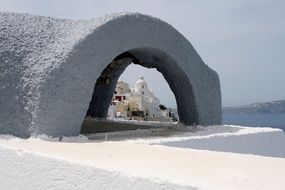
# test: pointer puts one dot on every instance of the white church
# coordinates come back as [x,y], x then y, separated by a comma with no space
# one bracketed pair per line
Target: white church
[138,102]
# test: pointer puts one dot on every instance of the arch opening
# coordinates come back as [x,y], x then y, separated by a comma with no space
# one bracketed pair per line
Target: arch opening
[149,58]
[142,80]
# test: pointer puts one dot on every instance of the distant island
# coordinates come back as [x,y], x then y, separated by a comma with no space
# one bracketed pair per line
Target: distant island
[273,107]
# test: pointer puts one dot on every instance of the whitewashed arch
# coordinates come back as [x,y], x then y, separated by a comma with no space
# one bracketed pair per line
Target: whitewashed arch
[48,69]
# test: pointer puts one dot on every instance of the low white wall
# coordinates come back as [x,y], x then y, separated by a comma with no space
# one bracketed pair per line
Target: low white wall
[264,141]
[77,163]
[26,171]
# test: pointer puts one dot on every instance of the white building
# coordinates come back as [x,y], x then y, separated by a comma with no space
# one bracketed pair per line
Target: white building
[138,101]
[145,99]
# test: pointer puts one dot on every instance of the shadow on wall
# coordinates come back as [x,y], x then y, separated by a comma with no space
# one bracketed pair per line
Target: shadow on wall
[264,144]
[150,58]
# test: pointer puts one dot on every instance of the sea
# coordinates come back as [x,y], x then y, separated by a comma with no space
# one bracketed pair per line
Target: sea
[256,120]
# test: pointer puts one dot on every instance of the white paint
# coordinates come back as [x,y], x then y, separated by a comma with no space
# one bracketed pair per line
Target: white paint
[77,163]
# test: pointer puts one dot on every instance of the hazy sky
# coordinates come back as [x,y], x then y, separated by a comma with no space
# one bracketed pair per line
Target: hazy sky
[244,40]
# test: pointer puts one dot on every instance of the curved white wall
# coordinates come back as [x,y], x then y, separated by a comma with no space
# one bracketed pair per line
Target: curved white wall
[49,68]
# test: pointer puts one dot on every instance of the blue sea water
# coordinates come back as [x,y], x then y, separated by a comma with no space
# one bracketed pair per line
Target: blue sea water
[256,120]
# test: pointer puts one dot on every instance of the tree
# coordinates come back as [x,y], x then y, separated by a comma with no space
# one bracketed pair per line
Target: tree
[162,107]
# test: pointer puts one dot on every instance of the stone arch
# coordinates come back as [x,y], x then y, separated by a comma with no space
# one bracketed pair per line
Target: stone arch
[58,67]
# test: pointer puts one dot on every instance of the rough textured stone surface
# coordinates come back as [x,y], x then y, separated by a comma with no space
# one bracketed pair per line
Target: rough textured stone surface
[48,69]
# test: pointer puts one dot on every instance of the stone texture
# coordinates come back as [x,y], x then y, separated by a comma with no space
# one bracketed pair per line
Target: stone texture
[49,68]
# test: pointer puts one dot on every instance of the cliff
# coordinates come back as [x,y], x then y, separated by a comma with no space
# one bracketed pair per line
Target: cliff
[273,107]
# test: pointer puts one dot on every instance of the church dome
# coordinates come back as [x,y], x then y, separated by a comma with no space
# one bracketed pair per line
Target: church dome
[141,83]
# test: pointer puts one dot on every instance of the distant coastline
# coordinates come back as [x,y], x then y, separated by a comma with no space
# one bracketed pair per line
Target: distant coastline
[273,107]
